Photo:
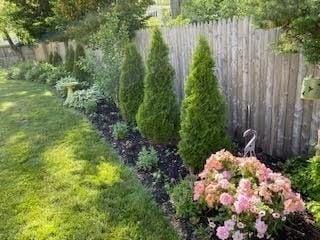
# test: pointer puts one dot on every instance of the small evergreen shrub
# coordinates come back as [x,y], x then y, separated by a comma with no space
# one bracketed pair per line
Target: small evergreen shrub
[55,75]
[56,59]
[78,72]
[70,56]
[131,83]
[203,117]
[50,58]
[147,159]
[158,115]
[182,200]
[120,130]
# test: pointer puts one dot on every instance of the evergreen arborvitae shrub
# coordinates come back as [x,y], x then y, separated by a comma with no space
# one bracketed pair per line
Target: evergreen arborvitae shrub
[79,73]
[56,59]
[50,58]
[203,117]
[131,83]
[69,64]
[158,115]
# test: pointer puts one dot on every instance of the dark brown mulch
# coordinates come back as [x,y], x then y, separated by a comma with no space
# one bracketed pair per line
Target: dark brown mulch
[172,170]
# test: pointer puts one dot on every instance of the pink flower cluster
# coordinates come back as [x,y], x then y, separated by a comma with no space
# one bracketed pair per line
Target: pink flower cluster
[255,197]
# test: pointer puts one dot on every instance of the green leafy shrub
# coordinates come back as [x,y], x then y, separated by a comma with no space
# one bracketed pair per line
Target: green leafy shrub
[147,159]
[131,84]
[305,177]
[50,58]
[111,38]
[203,119]
[120,130]
[158,115]
[39,72]
[18,71]
[70,56]
[86,100]
[181,196]
[55,75]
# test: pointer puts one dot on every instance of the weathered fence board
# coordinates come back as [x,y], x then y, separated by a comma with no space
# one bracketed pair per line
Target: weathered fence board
[252,77]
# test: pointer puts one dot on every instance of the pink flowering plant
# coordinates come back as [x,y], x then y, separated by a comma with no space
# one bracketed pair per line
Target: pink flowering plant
[251,199]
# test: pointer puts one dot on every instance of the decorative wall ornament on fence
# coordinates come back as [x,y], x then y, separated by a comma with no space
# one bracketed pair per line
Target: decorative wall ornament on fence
[310,88]
[249,150]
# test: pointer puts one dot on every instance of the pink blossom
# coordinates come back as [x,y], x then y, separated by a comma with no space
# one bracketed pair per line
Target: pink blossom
[213,163]
[230,224]
[224,183]
[223,233]
[261,226]
[226,174]
[226,199]
[242,204]
[198,190]
[238,235]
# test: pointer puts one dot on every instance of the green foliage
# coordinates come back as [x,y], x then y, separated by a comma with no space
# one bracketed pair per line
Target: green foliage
[56,59]
[39,72]
[147,159]
[120,130]
[55,75]
[86,100]
[131,83]
[60,180]
[79,73]
[111,39]
[299,20]
[70,57]
[158,115]
[212,10]
[50,58]
[305,176]
[182,200]
[18,71]
[203,120]
[60,86]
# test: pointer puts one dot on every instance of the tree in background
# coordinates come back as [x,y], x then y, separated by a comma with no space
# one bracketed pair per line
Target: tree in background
[131,83]
[212,10]
[158,115]
[299,20]
[203,116]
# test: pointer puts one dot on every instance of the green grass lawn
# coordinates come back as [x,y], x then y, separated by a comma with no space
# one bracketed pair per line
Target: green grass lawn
[60,180]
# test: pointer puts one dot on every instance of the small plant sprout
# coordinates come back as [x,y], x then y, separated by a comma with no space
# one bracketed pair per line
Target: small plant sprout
[147,159]
[120,130]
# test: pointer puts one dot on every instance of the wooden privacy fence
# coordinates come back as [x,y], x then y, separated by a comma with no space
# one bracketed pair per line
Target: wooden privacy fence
[252,77]
[8,57]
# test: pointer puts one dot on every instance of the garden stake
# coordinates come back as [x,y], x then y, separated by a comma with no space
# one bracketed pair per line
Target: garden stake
[249,150]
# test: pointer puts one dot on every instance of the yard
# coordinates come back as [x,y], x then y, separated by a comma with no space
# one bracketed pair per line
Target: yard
[60,180]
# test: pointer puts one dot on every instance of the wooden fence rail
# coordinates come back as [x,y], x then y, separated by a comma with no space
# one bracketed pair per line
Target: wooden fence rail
[252,77]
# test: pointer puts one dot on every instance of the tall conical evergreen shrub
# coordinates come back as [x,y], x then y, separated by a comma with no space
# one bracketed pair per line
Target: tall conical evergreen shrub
[79,73]
[203,117]
[69,64]
[56,59]
[50,58]
[131,83]
[158,115]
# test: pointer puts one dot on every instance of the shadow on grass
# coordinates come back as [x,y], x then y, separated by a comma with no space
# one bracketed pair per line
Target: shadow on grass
[58,179]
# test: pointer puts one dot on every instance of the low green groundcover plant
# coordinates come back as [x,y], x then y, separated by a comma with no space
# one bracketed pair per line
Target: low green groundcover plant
[86,99]
[251,199]
[59,179]
[120,130]
[181,198]
[147,159]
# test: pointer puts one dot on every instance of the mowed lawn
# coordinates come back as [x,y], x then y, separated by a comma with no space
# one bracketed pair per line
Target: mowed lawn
[60,180]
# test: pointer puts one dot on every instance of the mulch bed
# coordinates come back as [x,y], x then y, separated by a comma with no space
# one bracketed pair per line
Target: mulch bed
[171,170]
